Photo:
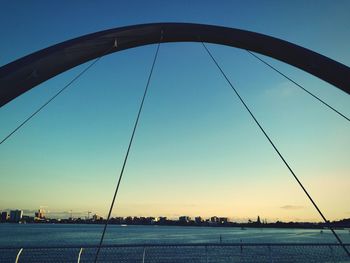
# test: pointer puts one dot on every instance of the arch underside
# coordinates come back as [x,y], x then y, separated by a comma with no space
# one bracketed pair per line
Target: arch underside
[23,74]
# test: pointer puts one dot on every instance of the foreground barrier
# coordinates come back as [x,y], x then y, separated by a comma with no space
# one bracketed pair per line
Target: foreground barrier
[178,253]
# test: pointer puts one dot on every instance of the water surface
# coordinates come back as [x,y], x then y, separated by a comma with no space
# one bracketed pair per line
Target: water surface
[21,235]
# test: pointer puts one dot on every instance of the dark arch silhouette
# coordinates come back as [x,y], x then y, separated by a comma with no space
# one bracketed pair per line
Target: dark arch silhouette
[27,72]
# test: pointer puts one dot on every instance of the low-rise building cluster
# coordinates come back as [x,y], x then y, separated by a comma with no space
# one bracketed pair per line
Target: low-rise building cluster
[16,216]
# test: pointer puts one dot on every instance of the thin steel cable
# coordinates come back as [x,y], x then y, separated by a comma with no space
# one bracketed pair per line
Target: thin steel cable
[298,85]
[51,99]
[127,154]
[277,151]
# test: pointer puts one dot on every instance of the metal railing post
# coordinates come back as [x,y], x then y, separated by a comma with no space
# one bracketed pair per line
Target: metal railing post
[80,252]
[144,255]
[18,254]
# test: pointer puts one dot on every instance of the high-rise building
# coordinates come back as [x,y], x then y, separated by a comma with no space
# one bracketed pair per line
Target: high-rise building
[16,215]
[4,216]
[40,214]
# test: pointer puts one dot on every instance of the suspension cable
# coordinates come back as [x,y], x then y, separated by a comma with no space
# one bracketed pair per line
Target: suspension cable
[277,151]
[53,97]
[127,153]
[298,85]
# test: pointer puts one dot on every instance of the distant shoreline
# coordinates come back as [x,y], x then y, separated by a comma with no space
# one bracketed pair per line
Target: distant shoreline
[17,217]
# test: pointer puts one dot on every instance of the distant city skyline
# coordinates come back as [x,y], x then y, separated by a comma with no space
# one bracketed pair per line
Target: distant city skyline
[84,214]
[16,215]
[196,150]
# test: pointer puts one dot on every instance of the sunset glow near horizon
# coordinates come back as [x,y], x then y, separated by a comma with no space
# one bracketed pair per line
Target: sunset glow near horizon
[196,150]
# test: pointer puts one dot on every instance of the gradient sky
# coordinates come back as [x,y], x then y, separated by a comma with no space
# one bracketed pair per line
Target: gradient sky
[196,151]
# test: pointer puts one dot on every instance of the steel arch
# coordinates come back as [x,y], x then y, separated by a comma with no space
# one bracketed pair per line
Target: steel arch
[25,73]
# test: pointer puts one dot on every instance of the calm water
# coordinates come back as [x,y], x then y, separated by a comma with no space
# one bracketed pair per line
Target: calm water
[21,235]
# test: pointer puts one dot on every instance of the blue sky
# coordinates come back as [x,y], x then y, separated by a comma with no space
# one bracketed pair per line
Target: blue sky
[196,151]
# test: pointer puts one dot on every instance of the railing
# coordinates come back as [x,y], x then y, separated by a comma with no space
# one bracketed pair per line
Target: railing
[177,253]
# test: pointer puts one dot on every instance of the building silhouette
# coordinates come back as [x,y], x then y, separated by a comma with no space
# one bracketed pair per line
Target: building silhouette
[184,219]
[40,214]
[4,216]
[16,215]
